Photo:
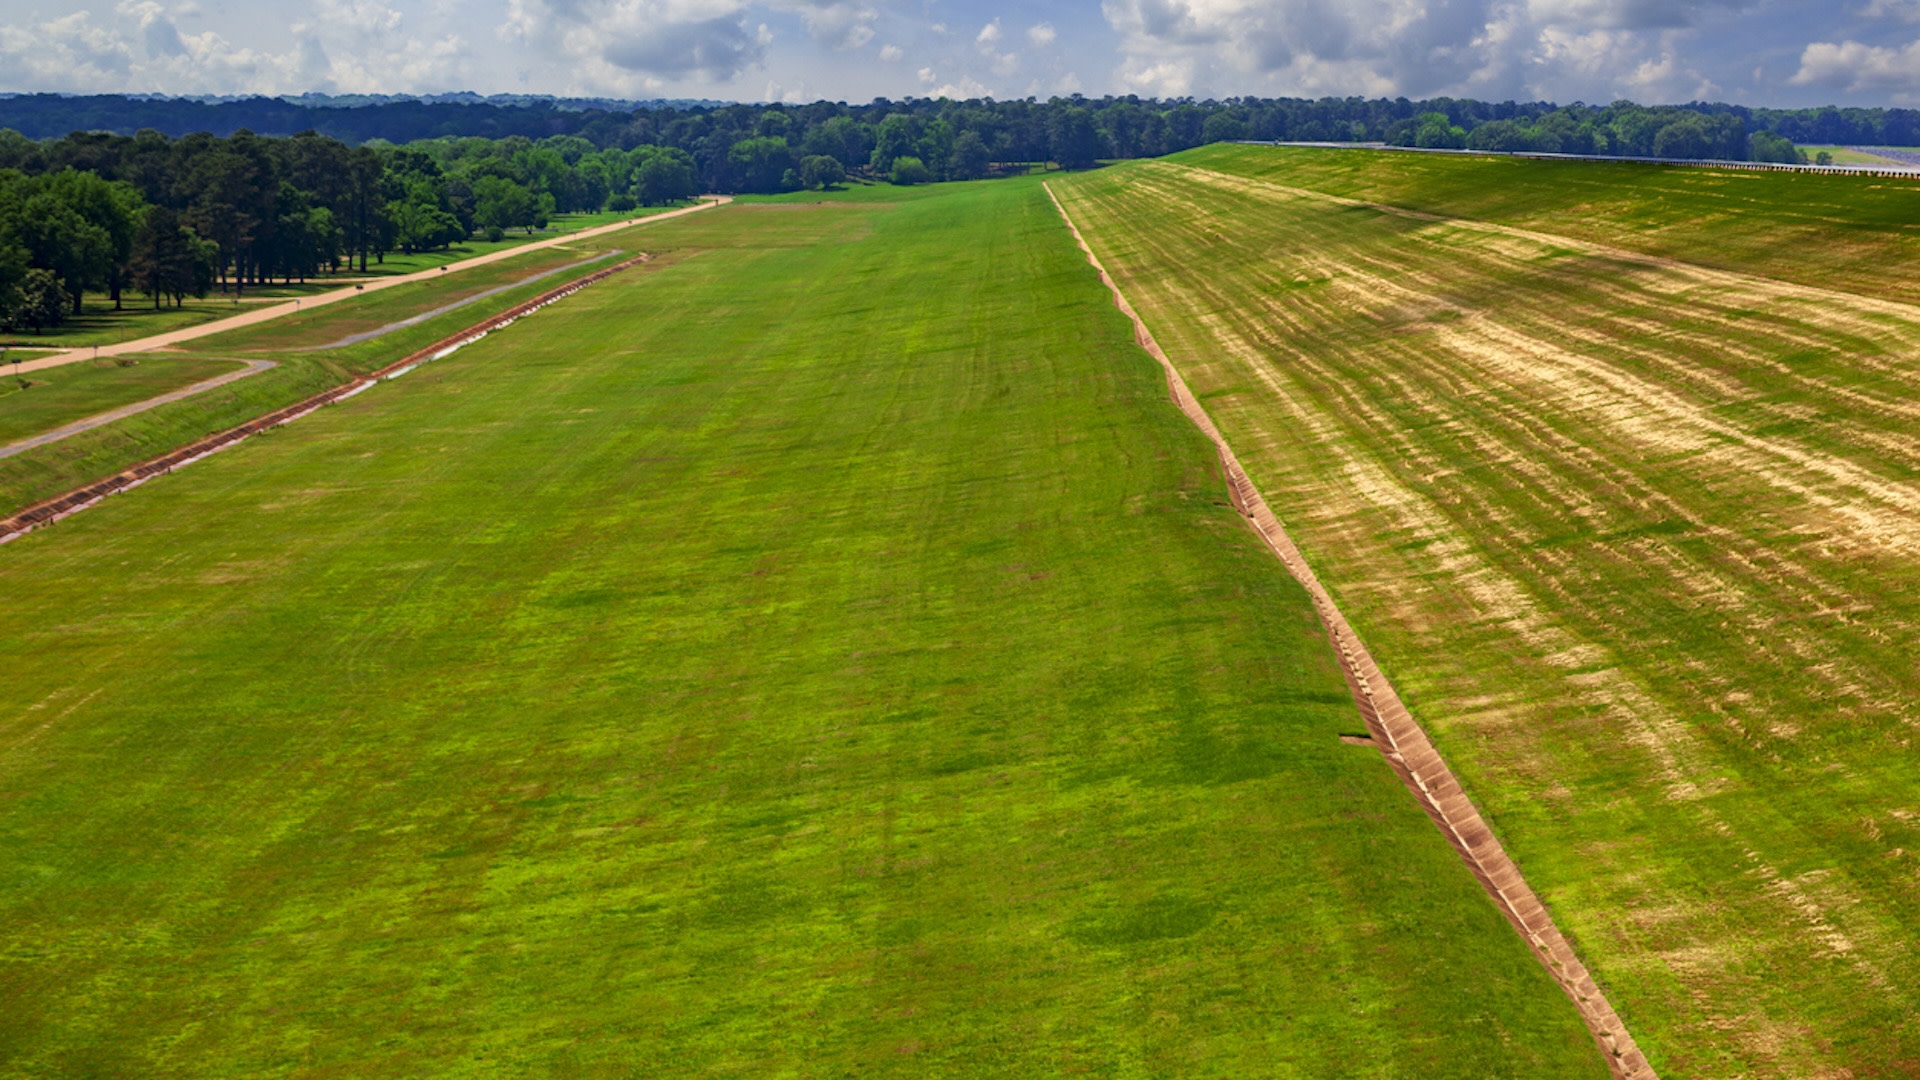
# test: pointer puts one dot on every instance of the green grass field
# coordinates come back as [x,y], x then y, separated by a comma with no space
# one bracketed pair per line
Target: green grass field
[72,392]
[823,652]
[1843,232]
[1846,155]
[296,343]
[100,323]
[1638,541]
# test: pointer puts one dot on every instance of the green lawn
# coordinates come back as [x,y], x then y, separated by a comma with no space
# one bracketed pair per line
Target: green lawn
[72,392]
[823,654]
[401,263]
[1843,155]
[1638,542]
[304,368]
[101,324]
[1822,229]
[326,325]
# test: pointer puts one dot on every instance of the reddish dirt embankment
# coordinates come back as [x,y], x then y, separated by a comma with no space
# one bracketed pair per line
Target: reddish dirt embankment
[1407,748]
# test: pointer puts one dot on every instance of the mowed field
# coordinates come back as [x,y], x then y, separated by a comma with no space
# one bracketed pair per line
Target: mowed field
[71,392]
[1638,539]
[822,651]
[313,350]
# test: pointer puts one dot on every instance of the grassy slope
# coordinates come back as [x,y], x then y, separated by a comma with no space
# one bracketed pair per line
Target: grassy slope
[826,653]
[50,470]
[1833,231]
[76,391]
[102,324]
[1643,548]
[1843,155]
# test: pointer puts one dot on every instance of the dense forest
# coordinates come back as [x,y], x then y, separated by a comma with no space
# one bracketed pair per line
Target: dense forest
[606,123]
[169,218]
[164,213]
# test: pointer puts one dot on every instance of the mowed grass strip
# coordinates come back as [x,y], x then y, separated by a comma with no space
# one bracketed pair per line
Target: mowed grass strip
[61,395]
[1831,230]
[304,367]
[828,653]
[1639,544]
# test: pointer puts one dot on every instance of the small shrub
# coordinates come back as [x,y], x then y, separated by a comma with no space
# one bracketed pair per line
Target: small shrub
[909,170]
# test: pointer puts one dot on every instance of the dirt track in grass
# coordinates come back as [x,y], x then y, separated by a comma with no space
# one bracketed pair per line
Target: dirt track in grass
[253,367]
[285,308]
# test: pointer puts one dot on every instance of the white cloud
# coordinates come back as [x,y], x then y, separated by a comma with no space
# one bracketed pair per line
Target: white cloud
[961,91]
[354,45]
[927,76]
[1482,48]
[987,42]
[891,53]
[625,46]
[1041,34]
[66,53]
[839,26]
[1856,67]
[1899,10]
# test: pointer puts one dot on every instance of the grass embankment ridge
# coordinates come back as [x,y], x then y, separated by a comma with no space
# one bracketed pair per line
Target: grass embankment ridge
[1637,541]
[826,654]
[1834,231]
[1399,737]
[76,391]
[102,323]
[72,502]
[295,342]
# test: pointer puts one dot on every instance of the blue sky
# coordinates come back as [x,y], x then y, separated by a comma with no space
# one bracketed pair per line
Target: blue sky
[1761,52]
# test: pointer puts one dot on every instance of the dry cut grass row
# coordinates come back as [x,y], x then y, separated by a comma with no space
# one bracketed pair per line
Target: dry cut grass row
[1637,540]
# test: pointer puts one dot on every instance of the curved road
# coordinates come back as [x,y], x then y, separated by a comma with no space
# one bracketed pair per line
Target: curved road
[288,307]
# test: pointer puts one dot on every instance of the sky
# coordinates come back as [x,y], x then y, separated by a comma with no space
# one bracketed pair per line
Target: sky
[1754,52]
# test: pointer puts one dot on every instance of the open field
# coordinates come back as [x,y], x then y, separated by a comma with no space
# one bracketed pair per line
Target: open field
[76,391]
[1638,541]
[102,324]
[325,326]
[824,651]
[401,263]
[296,343]
[1831,231]
[1848,155]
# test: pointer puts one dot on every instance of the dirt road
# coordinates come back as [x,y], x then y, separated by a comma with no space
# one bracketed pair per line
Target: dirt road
[288,307]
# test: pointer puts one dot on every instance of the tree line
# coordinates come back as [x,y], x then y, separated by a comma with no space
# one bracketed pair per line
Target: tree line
[169,217]
[607,123]
[165,218]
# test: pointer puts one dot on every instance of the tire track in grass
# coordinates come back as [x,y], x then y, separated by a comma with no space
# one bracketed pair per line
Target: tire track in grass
[280,309]
[415,320]
[46,513]
[253,367]
[1400,738]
